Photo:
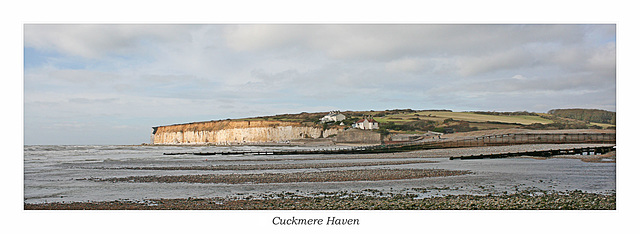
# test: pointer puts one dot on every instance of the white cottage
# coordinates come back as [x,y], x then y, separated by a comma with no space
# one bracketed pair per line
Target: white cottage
[333,116]
[366,123]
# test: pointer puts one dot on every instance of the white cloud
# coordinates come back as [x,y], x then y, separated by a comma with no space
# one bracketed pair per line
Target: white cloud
[258,37]
[184,73]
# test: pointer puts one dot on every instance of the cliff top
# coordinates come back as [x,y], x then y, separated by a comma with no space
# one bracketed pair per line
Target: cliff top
[409,121]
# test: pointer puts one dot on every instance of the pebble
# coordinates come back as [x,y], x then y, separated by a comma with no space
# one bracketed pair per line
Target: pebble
[525,200]
[322,176]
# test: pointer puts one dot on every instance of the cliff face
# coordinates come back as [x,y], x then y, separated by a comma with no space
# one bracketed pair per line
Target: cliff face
[358,136]
[237,132]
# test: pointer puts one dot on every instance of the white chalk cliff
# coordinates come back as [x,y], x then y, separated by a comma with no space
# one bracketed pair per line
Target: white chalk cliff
[238,132]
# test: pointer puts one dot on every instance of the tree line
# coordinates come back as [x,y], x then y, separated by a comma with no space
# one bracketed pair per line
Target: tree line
[590,115]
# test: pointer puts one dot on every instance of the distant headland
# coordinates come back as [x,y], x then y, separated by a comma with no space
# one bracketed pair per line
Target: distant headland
[371,127]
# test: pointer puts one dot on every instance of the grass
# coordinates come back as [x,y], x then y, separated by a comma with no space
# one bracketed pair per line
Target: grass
[479,121]
[440,116]
[270,119]
[391,119]
[487,126]
[603,125]
[473,117]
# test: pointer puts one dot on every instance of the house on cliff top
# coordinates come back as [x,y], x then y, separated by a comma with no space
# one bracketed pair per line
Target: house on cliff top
[366,124]
[333,116]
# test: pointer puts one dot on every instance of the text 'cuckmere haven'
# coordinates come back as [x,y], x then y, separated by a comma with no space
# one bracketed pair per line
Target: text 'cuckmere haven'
[329,221]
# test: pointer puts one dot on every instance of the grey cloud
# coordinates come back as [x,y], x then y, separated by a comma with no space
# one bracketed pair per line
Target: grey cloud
[82,76]
[92,100]
[97,40]
[164,74]
[274,80]
[393,41]
[155,79]
[603,60]
[525,86]
[405,65]
[510,59]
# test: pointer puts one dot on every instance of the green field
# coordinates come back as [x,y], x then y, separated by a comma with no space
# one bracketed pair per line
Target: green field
[473,117]
[394,119]
[440,116]
[415,121]
[603,125]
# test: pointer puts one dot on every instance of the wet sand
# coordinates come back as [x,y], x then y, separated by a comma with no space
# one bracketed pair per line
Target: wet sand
[276,166]
[368,200]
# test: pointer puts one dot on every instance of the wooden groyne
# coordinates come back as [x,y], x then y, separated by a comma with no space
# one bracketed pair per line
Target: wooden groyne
[542,153]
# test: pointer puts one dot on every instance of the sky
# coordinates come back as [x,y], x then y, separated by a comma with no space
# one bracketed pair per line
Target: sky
[110,83]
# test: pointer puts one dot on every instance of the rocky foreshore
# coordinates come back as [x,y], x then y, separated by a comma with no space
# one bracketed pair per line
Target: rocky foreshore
[363,200]
[323,176]
[275,166]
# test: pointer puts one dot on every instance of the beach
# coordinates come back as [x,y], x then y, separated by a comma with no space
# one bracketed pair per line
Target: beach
[367,200]
[143,177]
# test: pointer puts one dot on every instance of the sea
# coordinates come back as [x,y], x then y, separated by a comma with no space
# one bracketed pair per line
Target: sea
[67,173]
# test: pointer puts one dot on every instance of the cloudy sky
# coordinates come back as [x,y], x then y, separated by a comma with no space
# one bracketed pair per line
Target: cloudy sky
[109,84]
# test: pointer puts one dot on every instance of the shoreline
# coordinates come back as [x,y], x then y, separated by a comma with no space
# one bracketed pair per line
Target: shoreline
[361,200]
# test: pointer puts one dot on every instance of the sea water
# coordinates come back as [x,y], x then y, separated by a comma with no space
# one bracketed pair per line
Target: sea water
[64,174]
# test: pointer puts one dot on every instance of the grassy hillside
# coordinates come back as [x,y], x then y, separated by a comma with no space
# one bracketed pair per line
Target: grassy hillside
[421,121]
[474,117]
[590,115]
[301,117]
[442,121]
